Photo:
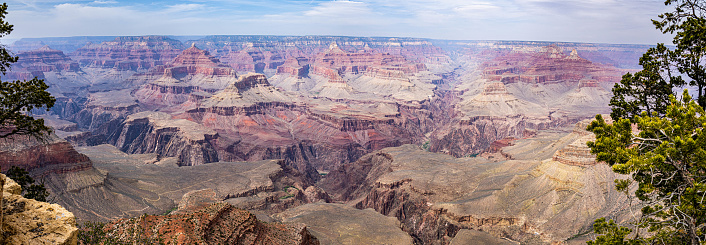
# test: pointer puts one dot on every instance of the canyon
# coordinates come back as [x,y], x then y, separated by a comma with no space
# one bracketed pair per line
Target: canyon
[427,141]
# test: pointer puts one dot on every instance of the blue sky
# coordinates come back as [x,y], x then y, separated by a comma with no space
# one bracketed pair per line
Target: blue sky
[604,21]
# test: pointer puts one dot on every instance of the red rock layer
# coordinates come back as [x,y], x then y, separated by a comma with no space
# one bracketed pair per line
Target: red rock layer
[218,223]
[550,66]
[295,67]
[376,64]
[253,59]
[46,59]
[41,158]
[34,63]
[129,53]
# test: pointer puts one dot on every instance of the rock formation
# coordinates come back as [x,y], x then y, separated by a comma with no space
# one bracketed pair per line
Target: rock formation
[129,53]
[156,132]
[529,198]
[217,223]
[27,221]
[41,158]
[193,71]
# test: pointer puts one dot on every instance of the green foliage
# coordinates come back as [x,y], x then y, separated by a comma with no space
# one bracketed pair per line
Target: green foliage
[612,234]
[90,233]
[37,192]
[667,160]
[5,28]
[29,188]
[19,98]
[647,90]
[94,233]
[425,146]
[665,156]
[20,176]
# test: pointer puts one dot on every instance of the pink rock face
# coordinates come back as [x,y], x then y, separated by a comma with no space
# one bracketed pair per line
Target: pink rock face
[129,53]
[34,63]
[56,156]
[194,70]
[46,59]
[382,64]
[550,66]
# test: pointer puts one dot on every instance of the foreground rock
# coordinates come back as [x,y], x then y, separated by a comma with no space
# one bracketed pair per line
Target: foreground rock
[217,223]
[341,224]
[27,221]
[530,199]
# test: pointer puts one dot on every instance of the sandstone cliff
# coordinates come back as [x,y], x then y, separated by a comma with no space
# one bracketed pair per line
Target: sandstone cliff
[54,155]
[156,132]
[27,221]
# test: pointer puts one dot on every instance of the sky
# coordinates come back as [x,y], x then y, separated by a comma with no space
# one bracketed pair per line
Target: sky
[594,21]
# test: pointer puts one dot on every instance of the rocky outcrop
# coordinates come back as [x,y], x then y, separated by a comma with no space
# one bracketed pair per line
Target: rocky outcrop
[217,223]
[254,57]
[27,221]
[45,59]
[155,132]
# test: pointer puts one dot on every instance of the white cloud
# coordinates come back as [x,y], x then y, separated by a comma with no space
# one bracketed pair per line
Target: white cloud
[104,2]
[623,21]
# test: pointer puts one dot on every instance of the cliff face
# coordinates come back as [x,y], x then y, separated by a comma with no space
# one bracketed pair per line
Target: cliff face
[531,197]
[41,158]
[46,59]
[154,132]
[129,53]
[523,91]
[193,71]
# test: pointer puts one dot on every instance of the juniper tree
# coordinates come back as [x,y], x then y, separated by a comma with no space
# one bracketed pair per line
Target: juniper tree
[658,140]
[19,98]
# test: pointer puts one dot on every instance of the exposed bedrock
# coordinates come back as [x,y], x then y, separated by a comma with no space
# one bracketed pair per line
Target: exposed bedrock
[155,132]
[54,155]
[129,53]
[530,199]
[27,221]
[217,223]
[475,134]
[125,185]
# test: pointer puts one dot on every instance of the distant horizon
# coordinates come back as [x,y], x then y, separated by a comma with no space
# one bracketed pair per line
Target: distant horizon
[12,40]
[577,21]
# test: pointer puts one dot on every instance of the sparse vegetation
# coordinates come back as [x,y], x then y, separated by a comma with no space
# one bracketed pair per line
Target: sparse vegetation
[30,189]
[425,146]
[97,233]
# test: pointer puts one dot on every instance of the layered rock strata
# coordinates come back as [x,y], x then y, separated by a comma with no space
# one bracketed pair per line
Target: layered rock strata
[193,71]
[127,185]
[54,155]
[531,198]
[129,53]
[157,132]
